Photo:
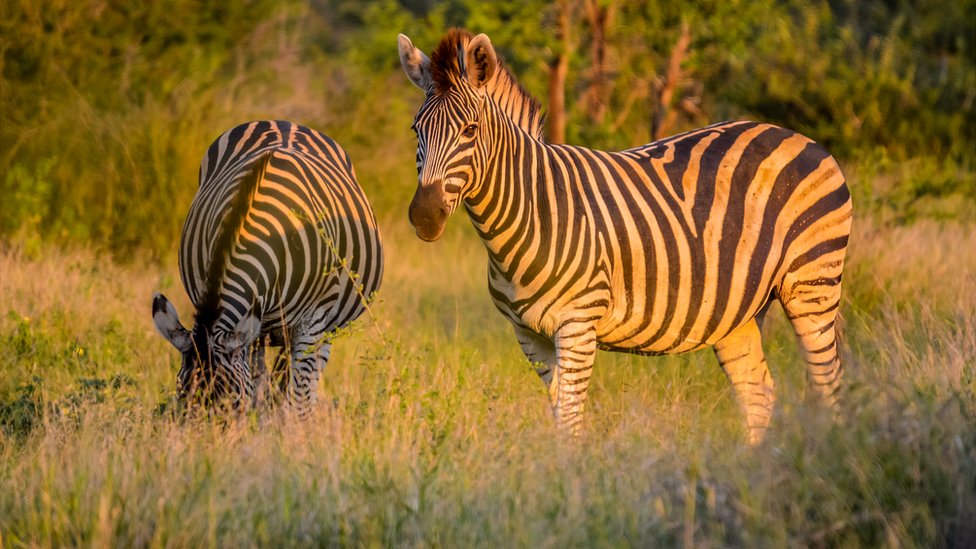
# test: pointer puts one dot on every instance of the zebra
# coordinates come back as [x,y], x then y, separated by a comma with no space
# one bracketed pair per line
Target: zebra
[280,247]
[670,247]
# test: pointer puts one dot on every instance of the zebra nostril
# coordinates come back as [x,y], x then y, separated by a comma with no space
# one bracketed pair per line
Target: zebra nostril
[428,213]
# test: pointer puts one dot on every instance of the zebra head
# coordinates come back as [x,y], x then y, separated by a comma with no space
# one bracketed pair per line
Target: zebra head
[215,370]
[450,124]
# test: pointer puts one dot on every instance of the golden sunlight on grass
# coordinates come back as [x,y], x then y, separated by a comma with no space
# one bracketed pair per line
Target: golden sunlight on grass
[436,432]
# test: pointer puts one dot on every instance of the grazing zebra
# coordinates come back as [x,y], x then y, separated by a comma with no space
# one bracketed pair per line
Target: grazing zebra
[280,242]
[666,248]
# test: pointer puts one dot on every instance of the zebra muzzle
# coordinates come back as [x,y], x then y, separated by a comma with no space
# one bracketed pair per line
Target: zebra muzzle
[428,213]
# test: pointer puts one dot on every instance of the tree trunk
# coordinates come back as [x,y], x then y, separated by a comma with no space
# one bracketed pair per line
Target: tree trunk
[558,68]
[664,115]
[599,17]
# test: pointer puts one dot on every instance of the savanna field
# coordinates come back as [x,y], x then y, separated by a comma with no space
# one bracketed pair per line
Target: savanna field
[432,429]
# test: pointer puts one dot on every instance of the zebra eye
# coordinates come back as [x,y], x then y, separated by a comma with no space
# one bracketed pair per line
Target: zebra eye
[469,130]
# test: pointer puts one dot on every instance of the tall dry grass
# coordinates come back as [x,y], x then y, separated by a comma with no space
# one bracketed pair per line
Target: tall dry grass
[432,430]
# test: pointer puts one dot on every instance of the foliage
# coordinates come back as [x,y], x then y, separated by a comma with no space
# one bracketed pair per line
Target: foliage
[888,81]
[106,106]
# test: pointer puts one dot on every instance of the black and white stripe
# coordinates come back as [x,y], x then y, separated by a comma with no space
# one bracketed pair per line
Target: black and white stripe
[669,247]
[279,243]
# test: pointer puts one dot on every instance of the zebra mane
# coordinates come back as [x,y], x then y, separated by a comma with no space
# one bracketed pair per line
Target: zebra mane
[447,73]
[209,309]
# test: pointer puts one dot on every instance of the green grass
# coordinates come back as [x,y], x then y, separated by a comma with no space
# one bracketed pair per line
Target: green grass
[432,430]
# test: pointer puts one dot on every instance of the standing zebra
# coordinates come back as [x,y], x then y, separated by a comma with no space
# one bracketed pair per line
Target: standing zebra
[279,242]
[670,247]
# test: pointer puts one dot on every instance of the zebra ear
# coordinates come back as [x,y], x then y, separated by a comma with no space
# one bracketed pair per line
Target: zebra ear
[480,60]
[246,331]
[167,323]
[415,63]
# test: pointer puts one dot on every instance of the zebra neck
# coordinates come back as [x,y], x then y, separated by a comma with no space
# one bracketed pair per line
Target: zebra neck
[513,208]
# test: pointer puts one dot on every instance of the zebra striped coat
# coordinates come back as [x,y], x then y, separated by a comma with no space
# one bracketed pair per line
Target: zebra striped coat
[279,244]
[669,247]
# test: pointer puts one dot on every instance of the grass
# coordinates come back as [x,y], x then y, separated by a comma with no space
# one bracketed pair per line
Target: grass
[432,430]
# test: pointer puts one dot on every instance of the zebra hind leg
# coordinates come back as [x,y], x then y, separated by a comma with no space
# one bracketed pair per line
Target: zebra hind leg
[308,359]
[741,356]
[811,304]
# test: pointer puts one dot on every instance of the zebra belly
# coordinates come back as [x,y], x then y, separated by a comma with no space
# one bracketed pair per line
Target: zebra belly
[669,343]
[658,316]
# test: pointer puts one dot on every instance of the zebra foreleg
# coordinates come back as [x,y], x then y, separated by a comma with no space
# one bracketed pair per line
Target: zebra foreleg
[259,374]
[280,376]
[741,356]
[575,345]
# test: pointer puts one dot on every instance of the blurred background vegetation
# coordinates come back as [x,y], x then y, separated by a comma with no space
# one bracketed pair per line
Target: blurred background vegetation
[106,106]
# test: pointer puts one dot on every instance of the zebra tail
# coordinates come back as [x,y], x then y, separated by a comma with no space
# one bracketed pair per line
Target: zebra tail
[230,226]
